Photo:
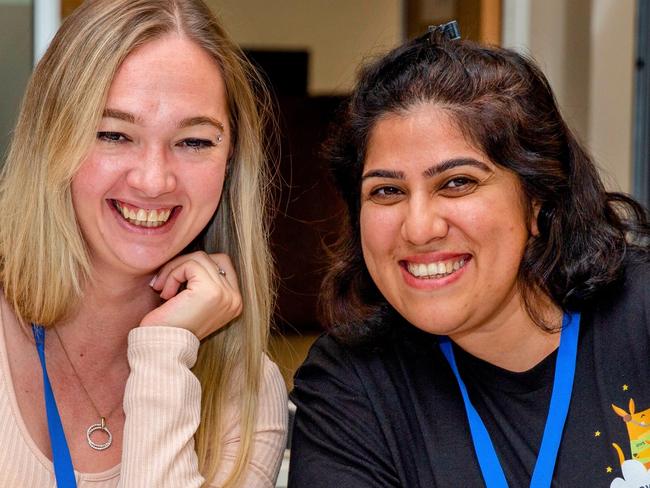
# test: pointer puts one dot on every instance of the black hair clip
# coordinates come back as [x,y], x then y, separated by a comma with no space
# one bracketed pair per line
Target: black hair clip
[450,30]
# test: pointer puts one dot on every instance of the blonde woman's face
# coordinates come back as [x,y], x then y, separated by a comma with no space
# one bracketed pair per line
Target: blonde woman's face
[155,173]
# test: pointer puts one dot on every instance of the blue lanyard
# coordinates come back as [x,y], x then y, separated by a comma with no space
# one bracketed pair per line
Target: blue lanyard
[565,368]
[63,470]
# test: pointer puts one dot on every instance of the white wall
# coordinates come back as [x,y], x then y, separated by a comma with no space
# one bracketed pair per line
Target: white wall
[586,49]
[337,33]
[611,116]
[47,18]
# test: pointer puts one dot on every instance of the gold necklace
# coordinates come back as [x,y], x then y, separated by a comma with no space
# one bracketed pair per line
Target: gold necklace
[101,425]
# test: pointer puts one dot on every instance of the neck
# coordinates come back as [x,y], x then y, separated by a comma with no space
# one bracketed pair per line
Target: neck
[512,340]
[109,308]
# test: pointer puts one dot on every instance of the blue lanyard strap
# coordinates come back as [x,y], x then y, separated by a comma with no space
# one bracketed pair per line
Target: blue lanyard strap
[558,409]
[63,470]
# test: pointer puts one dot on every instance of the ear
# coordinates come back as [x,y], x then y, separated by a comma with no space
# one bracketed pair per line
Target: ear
[534,227]
[619,411]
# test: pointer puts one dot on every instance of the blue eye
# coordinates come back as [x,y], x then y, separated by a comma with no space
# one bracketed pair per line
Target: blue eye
[197,144]
[112,137]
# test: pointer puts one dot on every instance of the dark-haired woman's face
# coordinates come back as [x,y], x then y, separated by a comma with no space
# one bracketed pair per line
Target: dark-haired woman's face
[443,228]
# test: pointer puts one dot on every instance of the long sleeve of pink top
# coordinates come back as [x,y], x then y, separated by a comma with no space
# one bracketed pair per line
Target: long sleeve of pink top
[162,405]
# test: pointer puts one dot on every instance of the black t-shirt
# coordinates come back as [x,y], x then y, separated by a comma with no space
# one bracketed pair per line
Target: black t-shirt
[392,414]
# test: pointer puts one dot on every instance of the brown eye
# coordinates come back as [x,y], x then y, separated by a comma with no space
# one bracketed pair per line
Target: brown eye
[459,182]
[385,191]
[384,194]
[459,185]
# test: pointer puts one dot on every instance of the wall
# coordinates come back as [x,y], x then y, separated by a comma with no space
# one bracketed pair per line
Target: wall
[337,33]
[612,88]
[15,62]
[586,48]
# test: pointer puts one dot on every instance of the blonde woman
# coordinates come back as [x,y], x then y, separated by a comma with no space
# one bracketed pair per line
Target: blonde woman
[133,260]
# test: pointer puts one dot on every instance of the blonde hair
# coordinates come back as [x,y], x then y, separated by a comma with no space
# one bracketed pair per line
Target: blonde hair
[43,257]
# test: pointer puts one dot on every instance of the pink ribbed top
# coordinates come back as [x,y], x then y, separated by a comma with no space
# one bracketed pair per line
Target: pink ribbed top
[162,407]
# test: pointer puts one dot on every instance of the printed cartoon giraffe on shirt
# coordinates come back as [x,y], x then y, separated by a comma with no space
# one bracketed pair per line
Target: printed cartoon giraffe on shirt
[638,430]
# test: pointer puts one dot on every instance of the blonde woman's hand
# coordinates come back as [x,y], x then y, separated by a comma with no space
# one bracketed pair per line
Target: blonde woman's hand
[209,300]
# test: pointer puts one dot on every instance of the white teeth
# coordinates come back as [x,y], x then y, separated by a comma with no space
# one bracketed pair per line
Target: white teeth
[153,216]
[435,270]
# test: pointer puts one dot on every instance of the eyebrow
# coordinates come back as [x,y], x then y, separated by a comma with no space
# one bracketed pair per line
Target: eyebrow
[429,172]
[201,120]
[454,163]
[189,122]
[384,173]
[112,113]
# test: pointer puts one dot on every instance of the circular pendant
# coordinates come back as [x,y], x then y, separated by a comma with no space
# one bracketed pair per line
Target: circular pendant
[101,427]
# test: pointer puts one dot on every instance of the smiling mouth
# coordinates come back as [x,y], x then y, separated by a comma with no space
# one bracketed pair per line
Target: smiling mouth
[437,269]
[143,217]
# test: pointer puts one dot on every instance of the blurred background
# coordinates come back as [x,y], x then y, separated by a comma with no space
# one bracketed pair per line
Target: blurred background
[595,53]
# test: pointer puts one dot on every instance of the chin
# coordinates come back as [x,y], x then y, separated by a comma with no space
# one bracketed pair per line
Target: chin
[433,321]
[141,269]
[145,263]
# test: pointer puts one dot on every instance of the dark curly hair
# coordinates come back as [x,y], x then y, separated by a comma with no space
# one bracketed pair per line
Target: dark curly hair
[503,103]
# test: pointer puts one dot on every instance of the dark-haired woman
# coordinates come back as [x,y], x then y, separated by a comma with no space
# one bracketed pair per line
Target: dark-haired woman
[489,306]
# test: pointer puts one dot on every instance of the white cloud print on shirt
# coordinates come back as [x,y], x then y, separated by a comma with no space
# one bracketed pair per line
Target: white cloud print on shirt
[634,476]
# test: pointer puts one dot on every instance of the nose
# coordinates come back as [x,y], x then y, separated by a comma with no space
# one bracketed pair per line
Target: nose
[153,174]
[424,221]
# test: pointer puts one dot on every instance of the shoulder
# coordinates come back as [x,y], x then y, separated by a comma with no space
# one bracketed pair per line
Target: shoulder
[351,405]
[401,338]
[330,370]
[326,349]
[636,279]
[328,355]
[273,390]
[368,367]
[271,397]
[628,298]
[635,284]
[269,429]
